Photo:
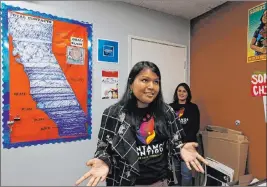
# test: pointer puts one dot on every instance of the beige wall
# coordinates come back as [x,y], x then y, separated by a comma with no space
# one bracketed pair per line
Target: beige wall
[220,77]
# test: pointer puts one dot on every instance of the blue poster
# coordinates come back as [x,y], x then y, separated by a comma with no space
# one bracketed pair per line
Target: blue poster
[108,51]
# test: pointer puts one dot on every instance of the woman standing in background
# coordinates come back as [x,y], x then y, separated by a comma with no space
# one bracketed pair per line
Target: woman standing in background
[189,117]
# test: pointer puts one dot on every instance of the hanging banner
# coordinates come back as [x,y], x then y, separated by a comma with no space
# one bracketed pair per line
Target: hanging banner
[46,79]
[259,88]
[257,33]
[258,84]
[110,84]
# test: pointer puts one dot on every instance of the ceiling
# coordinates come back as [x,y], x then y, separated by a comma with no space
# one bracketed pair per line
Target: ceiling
[187,9]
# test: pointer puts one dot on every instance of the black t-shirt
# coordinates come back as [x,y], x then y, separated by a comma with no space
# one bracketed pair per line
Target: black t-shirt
[189,118]
[151,148]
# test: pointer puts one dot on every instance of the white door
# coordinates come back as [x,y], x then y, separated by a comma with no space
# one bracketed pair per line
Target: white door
[170,58]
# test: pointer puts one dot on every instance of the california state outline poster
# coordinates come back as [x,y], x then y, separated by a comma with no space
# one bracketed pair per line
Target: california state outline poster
[46,78]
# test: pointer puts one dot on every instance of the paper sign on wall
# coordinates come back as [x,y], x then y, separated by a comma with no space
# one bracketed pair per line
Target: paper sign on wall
[258,84]
[259,87]
[108,51]
[46,78]
[110,84]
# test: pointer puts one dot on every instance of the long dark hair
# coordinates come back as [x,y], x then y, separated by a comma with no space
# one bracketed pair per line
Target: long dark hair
[262,24]
[189,95]
[129,101]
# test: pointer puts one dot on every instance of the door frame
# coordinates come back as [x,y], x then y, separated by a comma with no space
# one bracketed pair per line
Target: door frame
[186,61]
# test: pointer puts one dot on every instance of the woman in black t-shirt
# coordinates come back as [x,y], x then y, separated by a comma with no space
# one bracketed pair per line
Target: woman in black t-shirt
[139,135]
[189,117]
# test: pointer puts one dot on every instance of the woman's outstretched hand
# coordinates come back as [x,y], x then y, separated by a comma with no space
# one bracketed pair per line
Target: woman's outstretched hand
[191,157]
[99,171]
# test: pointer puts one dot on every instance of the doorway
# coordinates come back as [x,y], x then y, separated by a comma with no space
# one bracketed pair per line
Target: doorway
[169,57]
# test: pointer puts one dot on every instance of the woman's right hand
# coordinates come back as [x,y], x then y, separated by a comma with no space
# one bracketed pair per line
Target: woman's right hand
[98,172]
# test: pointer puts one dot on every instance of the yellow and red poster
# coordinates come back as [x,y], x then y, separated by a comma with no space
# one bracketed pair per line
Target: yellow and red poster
[46,79]
[257,33]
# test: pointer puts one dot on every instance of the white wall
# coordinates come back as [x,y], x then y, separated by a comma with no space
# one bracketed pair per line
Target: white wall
[61,164]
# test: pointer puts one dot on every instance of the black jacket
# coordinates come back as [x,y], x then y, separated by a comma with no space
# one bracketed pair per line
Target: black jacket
[117,144]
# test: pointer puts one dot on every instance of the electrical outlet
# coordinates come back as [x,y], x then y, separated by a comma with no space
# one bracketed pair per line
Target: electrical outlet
[237,122]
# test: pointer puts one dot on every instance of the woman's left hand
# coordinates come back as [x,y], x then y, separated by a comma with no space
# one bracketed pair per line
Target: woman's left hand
[191,157]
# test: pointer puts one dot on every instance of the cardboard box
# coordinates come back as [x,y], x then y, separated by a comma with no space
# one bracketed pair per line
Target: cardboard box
[221,129]
[248,180]
[245,180]
[227,146]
